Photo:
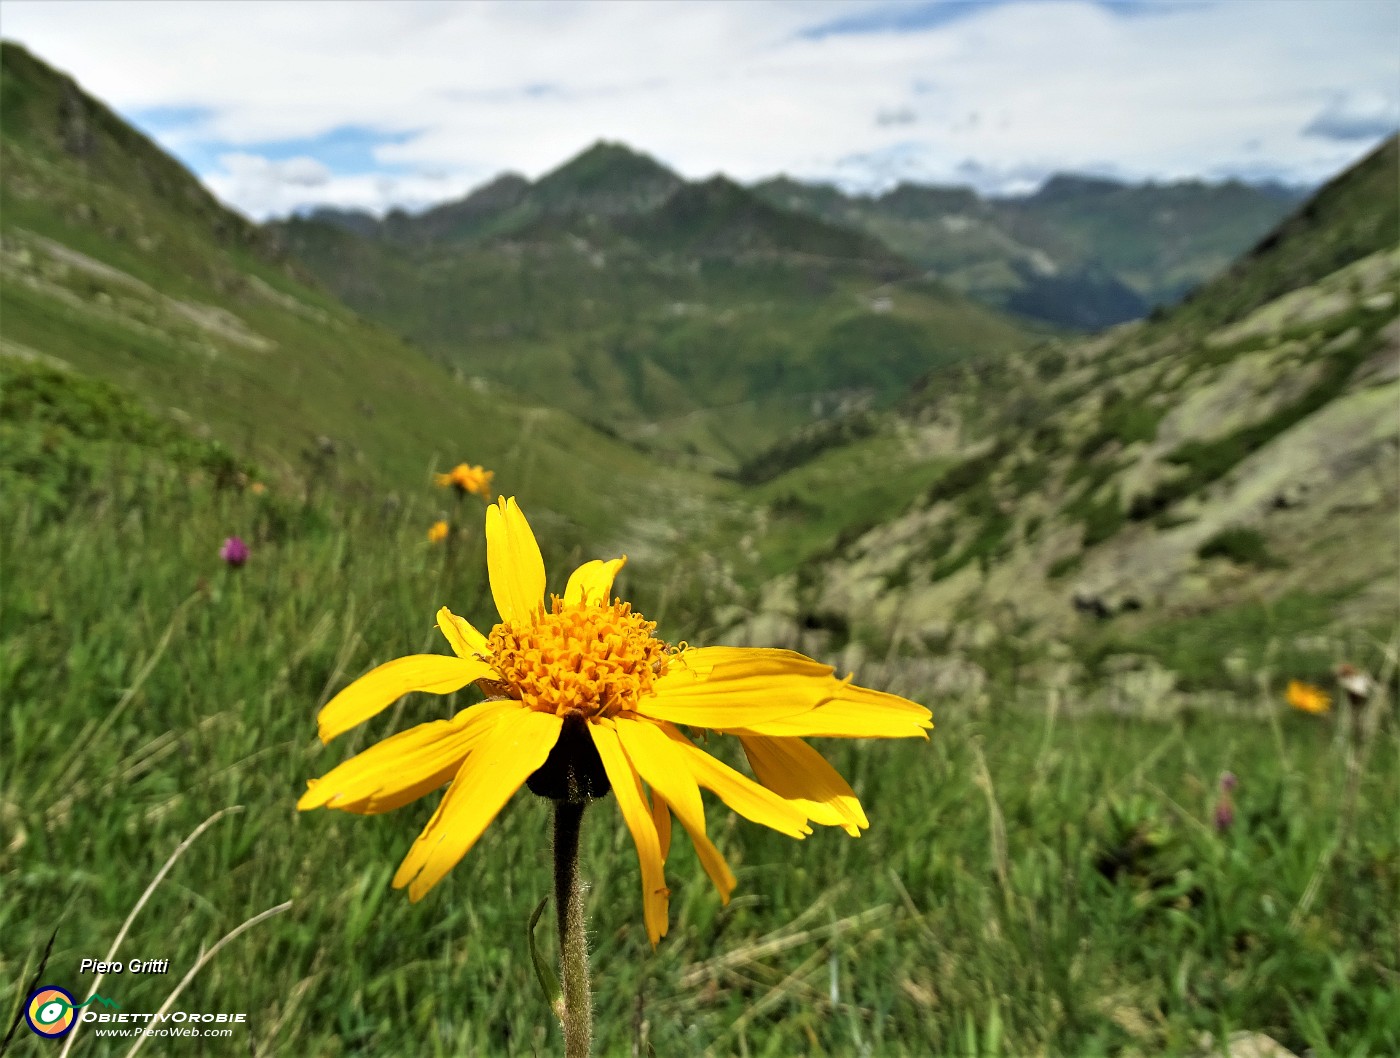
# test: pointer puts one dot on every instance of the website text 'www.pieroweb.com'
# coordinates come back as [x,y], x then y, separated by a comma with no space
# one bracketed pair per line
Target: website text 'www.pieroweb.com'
[176,1023]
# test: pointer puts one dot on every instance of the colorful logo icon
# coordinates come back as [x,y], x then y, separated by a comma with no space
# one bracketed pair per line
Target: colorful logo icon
[50,1012]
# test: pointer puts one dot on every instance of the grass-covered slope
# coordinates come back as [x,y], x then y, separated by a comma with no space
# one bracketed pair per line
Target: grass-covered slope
[149,689]
[695,319]
[54,130]
[64,437]
[1356,214]
[114,262]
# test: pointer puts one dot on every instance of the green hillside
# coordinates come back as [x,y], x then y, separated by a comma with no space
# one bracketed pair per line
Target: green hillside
[1081,252]
[1218,483]
[116,263]
[696,320]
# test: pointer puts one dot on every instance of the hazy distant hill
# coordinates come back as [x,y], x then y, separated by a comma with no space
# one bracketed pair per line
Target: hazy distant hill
[696,319]
[115,262]
[1222,478]
[1082,251]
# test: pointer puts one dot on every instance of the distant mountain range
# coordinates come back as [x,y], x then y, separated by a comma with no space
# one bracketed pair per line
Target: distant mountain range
[1081,252]
[697,320]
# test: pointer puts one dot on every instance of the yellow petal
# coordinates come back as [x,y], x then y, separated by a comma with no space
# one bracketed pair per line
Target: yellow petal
[739,792]
[403,767]
[380,688]
[857,712]
[465,640]
[661,816]
[628,790]
[517,743]
[592,582]
[724,687]
[794,770]
[663,766]
[514,563]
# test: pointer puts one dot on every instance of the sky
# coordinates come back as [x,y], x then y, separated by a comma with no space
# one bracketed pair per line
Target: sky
[280,106]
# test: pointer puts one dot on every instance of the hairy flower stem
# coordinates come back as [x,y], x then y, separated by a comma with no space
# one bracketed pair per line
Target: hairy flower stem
[573,943]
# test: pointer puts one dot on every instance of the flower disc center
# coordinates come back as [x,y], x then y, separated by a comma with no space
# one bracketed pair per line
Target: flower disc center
[587,659]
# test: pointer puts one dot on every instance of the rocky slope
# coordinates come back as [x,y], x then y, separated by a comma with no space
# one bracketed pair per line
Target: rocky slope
[1242,451]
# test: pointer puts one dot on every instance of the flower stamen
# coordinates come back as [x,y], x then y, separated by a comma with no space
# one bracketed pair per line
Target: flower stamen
[585,659]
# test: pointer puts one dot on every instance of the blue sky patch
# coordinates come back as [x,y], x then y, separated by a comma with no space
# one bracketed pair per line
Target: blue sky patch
[346,151]
[158,120]
[929,14]
[899,18]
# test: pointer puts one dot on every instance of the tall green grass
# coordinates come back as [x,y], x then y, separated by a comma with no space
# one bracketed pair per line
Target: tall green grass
[1031,883]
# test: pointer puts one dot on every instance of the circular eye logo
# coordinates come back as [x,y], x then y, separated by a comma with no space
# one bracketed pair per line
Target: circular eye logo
[50,1012]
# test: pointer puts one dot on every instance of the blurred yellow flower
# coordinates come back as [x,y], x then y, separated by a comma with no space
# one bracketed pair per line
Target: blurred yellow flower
[257,488]
[437,532]
[583,696]
[466,479]
[1308,698]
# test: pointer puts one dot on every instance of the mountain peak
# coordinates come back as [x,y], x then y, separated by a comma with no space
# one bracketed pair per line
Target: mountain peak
[606,178]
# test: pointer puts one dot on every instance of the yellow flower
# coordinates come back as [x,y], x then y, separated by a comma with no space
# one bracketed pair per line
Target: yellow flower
[257,488]
[437,532]
[583,696]
[1308,698]
[466,478]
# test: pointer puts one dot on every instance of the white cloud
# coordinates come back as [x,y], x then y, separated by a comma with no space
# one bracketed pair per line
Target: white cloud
[469,90]
[284,187]
[1357,116]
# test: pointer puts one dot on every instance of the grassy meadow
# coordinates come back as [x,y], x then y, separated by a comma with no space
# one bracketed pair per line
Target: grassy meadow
[1038,879]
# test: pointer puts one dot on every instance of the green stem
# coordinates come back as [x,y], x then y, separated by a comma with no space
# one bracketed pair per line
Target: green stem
[573,943]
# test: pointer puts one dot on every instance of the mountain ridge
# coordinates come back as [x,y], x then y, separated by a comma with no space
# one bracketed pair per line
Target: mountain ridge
[71,123]
[1082,251]
[613,299]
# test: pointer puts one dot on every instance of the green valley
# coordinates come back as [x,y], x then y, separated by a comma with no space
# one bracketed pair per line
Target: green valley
[695,320]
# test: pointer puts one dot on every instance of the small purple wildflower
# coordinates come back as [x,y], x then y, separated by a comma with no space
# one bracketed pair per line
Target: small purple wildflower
[1225,807]
[1224,814]
[234,551]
